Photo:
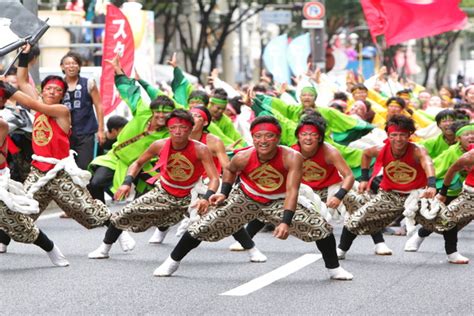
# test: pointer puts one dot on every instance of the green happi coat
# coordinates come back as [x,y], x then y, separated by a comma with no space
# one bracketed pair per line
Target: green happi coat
[133,139]
[443,162]
[337,124]
[435,145]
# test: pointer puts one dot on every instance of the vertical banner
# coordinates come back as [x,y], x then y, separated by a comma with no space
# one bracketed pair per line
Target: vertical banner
[275,59]
[299,50]
[118,40]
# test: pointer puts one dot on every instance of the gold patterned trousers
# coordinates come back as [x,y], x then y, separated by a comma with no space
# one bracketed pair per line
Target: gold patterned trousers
[155,208]
[239,209]
[73,199]
[17,226]
[370,214]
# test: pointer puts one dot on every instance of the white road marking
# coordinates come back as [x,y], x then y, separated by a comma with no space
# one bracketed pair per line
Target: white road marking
[49,216]
[275,275]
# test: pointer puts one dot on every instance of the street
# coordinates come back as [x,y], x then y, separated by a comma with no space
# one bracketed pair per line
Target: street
[408,283]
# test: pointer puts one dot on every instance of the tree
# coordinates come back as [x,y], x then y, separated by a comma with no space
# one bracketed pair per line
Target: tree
[434,55]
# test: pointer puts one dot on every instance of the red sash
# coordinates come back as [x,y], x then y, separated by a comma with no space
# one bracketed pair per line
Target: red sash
[317,173]
[49,140]
[404,174]
[268,179]
[214,158]
[182,169]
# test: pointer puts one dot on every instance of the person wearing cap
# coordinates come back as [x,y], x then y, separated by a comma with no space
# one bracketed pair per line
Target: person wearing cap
[405,168]
[450,190]
[182,162]
[15,207]
[270,176]
[54,174]
[146,126]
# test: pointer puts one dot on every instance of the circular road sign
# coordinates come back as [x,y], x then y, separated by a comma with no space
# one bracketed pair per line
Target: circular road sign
[313,10]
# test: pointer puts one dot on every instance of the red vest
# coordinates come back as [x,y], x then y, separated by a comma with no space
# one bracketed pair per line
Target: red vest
[470,175]
[214,158]
[182,171]
[404,174]
[49,140]
[317,173]
[268,179]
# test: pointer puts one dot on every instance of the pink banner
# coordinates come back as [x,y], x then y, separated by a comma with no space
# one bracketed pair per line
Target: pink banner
[118,40]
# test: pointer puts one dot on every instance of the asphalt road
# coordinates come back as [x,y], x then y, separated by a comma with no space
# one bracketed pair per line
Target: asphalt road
[408,283]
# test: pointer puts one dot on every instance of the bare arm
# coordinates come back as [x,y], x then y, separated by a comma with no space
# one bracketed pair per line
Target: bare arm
[23,76]
[211,171]
[153,151]
[367,156]
[336,159]
[52,110]
[427,164]
[218,149]
[465,161]
[97,101]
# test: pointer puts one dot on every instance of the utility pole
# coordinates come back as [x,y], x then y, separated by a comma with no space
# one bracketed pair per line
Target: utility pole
[315,14]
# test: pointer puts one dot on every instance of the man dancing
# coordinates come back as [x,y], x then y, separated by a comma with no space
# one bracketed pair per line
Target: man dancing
[270,176]
[13,207]
[406,168]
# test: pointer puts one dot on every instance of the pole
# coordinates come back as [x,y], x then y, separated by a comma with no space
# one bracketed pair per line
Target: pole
[317,45]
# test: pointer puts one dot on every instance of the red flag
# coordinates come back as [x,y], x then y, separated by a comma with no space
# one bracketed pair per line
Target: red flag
[402,20]
[375,17]
[118,39]
[416,19]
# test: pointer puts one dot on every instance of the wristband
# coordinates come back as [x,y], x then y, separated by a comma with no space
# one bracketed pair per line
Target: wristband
[128,180]
[444,190]
[364,174]
[23,60]
[287,217]
[341,194]
[208,194]
[226,188]
[432,182]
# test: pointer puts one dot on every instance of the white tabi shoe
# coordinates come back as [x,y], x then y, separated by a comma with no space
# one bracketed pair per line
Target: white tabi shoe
[236,246]
[127,243]
[256,255]
[100,253]
[167,268]
[381,249]
[3,248]
[414,243]
[340,274]
[457,258]
[57,258]
[158,236]
[341,254]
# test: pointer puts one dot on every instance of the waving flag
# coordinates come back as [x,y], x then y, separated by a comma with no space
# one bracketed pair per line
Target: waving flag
[275,56]
[118,40]
[298,52]
[402,20]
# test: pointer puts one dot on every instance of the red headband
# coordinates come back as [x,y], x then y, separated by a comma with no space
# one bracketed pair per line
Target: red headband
[200,112]
[270,127]
[56,82]
[308,128]
[397,129]
[178,120]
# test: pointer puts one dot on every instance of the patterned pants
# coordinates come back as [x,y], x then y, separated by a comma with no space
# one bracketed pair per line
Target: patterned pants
[19,227]
[155,208]
[462,208]
[239,209]
[369,215]
[445,220]
[74,200]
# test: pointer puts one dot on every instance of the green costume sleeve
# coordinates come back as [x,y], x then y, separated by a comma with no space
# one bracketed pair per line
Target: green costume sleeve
[344,128]
[435,146]
[129,92]
[442,163]
[227,127]
[216,131]
[182,88]
[152,91]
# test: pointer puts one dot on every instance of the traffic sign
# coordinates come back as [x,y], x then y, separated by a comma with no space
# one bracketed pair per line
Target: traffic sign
[312,24]
[281,17]
[313,10]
